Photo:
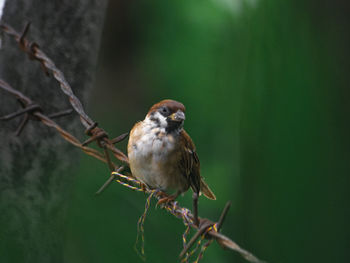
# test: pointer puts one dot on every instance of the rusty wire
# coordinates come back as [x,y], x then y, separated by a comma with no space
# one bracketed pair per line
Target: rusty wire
[205,228]
[35,53]
[37,112]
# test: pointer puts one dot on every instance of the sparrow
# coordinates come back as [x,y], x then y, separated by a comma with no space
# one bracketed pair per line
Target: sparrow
[162,155]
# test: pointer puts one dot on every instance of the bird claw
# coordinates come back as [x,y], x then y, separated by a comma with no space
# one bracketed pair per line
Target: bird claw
[165,200]
[143,187]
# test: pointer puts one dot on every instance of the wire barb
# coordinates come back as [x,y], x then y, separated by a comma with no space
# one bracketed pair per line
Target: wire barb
[109,181]
[120,138]
[97,136]
[223,215]
[22,125]
[27,109]
[60,114]
[200,232]
[21,39]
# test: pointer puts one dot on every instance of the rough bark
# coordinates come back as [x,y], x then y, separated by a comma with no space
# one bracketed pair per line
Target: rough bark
[36,168]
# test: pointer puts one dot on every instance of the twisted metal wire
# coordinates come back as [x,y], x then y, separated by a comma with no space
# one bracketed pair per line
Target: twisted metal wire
[35,53]
[210,231]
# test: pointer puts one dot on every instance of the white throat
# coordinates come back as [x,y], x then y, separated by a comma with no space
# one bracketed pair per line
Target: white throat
[156,120]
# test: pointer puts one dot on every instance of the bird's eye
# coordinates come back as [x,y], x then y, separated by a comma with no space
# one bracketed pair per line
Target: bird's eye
[164,111]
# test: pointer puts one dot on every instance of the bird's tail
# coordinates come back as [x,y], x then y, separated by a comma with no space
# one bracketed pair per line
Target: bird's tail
[206,190]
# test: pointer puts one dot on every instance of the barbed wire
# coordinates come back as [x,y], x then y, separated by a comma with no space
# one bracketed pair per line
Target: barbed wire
[206,229]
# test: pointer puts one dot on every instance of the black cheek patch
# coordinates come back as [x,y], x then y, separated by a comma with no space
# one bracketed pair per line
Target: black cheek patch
[172,126]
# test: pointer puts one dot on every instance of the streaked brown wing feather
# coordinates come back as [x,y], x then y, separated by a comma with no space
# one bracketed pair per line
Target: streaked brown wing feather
[190,165]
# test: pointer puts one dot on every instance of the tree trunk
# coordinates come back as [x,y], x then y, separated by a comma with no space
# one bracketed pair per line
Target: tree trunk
[36,168]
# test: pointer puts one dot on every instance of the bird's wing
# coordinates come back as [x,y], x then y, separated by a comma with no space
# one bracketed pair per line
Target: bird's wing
[190,167]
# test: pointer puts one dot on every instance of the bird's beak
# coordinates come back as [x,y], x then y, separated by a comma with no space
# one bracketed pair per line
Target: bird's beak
[178,116]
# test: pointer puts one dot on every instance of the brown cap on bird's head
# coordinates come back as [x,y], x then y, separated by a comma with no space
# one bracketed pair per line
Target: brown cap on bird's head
[172,105]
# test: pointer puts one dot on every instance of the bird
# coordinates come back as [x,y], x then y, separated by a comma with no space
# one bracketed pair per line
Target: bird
[163,156]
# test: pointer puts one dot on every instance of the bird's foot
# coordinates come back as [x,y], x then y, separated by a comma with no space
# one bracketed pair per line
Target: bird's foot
[166,199]
[143,187]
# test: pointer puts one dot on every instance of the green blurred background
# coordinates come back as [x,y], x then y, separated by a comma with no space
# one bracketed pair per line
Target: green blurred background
[265,84]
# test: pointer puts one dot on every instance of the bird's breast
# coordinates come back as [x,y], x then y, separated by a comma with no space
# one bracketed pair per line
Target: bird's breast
[154,157]
[152,143]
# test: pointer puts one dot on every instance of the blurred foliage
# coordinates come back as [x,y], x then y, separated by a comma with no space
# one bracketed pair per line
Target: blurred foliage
[265,88]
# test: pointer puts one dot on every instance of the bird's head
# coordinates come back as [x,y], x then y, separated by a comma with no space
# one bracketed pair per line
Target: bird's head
[168,114]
